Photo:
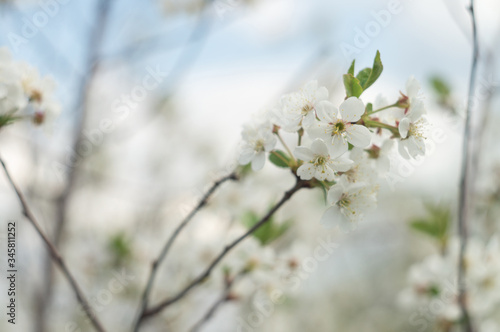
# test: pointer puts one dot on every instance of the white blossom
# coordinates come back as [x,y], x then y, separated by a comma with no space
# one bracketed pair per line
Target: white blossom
[348,202]
[318,163]
[299,109]
[258,138]
[337,128]
[411,128]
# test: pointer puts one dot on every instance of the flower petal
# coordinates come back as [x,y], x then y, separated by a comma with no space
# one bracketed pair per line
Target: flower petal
[259,161]
[334,194]
[303,153]
[306,171]
[352,109]
[320,130]
[338,147]
[412,87]
[326,111]
[404,126]
[331,217]
[358,136]
[318,147]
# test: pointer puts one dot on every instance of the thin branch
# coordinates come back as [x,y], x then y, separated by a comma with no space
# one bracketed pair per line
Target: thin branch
[465,180]
[56,257]
[170,241]
[94,44]
[162,305]
[226,296]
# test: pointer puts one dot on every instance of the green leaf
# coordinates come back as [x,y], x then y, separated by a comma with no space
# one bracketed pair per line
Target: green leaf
[436,224]
[351,68]
[352,86]
[376,70]
[363,76]
[440,86]
[282,161]
[369,108]
[119,246]
[6,119]
[269,231]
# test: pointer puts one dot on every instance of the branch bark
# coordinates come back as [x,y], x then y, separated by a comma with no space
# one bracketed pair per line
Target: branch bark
[56,257]
[465,181]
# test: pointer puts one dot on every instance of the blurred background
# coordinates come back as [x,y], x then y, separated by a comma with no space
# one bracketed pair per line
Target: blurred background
[127,157]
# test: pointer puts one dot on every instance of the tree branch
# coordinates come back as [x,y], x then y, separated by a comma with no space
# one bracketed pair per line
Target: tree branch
[170,241]
[465,180]
[56,257]
[226,296]
[162,305]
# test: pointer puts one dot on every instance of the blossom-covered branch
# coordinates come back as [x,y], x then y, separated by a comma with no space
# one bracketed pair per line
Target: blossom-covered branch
[56,256]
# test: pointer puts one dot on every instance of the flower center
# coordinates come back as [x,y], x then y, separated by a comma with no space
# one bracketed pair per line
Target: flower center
[417,129]
[259,145]
[338,127]
[320,161]
[344,201]
[306,109]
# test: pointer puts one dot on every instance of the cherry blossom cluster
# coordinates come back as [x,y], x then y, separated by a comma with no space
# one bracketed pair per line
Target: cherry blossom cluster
[343,149]
[433,285]
[23,93]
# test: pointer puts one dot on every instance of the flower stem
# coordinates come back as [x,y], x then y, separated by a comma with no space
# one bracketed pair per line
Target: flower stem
[376,124]
[287,148]
[383,108]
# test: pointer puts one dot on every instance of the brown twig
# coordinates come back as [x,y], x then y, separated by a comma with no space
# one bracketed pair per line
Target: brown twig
[162,305]
[56,257]
[465,181]
[170,241]
[62,201]
[226,296]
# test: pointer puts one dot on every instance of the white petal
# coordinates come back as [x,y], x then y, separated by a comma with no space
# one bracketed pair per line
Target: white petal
[326,111]
[404,126]
[417,109]
[258,161]
[318,147]
[352,109]
[335,193]
[320,130]
[303,153]
[306,171]
[331,217]
[329,173]
[321,94]
[309,119]
[338,147]
[358,136]
[412,87]
[402,149]
[270,142]
[246,156]
[341,164]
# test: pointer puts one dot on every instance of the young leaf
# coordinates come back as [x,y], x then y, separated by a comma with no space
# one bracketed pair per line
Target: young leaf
[352,86]
[282,160]
[351,68]
[363,76]
[375,72]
